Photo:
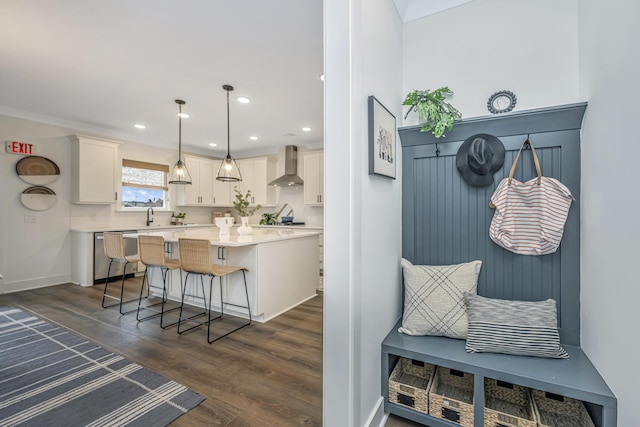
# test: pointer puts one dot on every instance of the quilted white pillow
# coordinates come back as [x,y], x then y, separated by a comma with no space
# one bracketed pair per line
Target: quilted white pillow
[434,298]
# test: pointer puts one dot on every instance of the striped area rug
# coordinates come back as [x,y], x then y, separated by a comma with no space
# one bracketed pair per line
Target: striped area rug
[51,377]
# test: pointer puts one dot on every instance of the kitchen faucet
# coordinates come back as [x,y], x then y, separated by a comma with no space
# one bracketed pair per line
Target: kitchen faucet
[149,220]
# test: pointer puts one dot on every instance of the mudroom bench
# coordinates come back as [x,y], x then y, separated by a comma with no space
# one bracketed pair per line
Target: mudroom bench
[575,377]
[446,221]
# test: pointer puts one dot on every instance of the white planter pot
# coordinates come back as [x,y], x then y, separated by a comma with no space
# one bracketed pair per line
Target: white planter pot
[245,228]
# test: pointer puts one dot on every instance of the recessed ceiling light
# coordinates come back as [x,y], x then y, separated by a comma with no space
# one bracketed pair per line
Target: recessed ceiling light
[243,100]
[306,129]
[183,115]
[139,126]
[253,138]
[213,144]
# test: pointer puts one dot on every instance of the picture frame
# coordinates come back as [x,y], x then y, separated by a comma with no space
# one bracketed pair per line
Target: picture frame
[382,140]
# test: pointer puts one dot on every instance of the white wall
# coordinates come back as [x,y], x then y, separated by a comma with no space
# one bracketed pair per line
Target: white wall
[33,254]
[528,47]
[609,70]
[362,212]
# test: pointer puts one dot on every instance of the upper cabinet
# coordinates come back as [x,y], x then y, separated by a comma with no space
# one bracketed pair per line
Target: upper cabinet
[256,175]
[313,178]
[206,190]
[200,192]
[94,170]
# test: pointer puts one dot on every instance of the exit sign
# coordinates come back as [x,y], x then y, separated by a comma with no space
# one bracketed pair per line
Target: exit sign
[16,147]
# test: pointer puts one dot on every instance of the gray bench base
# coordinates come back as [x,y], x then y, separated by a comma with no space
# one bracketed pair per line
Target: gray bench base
[575,377]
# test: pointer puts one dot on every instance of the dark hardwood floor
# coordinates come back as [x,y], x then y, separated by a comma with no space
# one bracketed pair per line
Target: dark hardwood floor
[268,374]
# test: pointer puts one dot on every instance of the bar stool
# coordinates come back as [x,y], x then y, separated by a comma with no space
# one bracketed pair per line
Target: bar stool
[195,258]
[114,250]
[152,254]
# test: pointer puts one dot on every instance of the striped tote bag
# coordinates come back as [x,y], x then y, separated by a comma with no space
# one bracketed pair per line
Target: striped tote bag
[529,216]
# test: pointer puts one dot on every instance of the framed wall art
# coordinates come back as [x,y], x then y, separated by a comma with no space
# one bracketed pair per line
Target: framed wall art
[382,140]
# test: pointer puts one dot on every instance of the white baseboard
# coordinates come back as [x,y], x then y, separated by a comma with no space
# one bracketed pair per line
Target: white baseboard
[377,418]
[40,282]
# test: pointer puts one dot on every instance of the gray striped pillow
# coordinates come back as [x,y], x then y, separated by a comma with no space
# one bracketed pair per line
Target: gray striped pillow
[527,328]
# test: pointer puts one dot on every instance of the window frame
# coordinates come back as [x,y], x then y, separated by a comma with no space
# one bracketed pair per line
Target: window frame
[149,166]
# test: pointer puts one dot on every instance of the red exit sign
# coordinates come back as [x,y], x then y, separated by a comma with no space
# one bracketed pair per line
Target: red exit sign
[16,147]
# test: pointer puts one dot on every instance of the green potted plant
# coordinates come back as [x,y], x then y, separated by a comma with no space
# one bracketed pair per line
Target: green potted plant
[179,218]
[268,219]
[241,205]
[431,107]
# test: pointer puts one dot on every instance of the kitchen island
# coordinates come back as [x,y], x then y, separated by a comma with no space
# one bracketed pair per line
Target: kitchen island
[283,268]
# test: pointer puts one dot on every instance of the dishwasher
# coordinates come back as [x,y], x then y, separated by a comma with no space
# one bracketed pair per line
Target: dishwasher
[101,262]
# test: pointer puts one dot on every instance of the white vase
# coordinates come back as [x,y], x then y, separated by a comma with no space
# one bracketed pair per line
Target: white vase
[224,223]
[244,228]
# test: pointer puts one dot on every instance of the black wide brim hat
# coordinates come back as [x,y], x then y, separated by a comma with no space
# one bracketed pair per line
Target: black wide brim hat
[478,158]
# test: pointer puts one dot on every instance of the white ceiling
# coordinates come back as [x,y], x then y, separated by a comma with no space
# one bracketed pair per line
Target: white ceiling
[100,66]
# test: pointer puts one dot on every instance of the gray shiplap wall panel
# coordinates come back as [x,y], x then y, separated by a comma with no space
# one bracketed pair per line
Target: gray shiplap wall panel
[445,221]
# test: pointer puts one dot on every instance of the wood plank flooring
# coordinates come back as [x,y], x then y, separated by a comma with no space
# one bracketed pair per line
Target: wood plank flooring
[267,374]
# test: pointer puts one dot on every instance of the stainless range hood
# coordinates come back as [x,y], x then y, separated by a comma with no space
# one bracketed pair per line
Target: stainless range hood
[290,177]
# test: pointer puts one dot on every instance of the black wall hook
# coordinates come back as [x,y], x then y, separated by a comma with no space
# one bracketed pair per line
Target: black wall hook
[527,144]
[437,150]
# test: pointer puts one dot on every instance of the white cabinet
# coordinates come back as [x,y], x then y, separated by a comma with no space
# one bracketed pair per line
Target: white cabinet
[222,190]
[200,192]
[256,175]
[94,170]
[313,178]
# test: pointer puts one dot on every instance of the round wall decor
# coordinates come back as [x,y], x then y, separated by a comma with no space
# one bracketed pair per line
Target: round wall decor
[37,170]
[501,102]
[38,198]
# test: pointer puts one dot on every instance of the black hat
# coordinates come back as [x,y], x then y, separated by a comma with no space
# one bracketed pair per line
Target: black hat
[478,158]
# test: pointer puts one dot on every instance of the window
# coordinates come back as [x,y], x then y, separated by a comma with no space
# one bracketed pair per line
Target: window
[144,184]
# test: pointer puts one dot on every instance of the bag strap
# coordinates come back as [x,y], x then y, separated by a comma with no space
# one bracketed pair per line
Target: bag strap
[535,162]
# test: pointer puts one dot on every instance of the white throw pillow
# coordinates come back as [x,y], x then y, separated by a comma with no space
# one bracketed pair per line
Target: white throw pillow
[434,298]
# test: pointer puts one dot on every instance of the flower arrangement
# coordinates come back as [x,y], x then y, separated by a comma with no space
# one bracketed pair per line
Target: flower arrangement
[241,203]
[181,215]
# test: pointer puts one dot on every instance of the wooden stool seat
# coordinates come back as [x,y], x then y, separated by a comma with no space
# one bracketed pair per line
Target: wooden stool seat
[114,250]
[195,258]
[152,254]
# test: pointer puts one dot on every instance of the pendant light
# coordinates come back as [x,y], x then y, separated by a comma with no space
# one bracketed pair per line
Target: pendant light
[229,170]
[179,173]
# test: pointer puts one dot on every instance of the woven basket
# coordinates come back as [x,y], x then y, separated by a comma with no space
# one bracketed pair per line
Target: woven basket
[409,384]
[507,405]
[553,410]
[451,396]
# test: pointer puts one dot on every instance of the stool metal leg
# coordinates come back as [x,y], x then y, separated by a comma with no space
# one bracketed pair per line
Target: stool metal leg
[222,303]
[165,298]
[106,285]
[205,312]
[145,279]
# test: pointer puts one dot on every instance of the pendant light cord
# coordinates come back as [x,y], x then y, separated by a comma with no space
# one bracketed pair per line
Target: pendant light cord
[180,132]
[180,104]
[228,89]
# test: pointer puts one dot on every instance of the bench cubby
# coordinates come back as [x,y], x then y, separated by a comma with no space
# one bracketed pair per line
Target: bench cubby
[575,377]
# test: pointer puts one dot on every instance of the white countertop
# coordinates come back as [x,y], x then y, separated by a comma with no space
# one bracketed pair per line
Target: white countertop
[262,235]
[98,229]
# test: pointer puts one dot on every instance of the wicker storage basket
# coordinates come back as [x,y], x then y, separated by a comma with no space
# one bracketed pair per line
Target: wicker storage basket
[507,405]
[451,396]
[554,410]
[409,384]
